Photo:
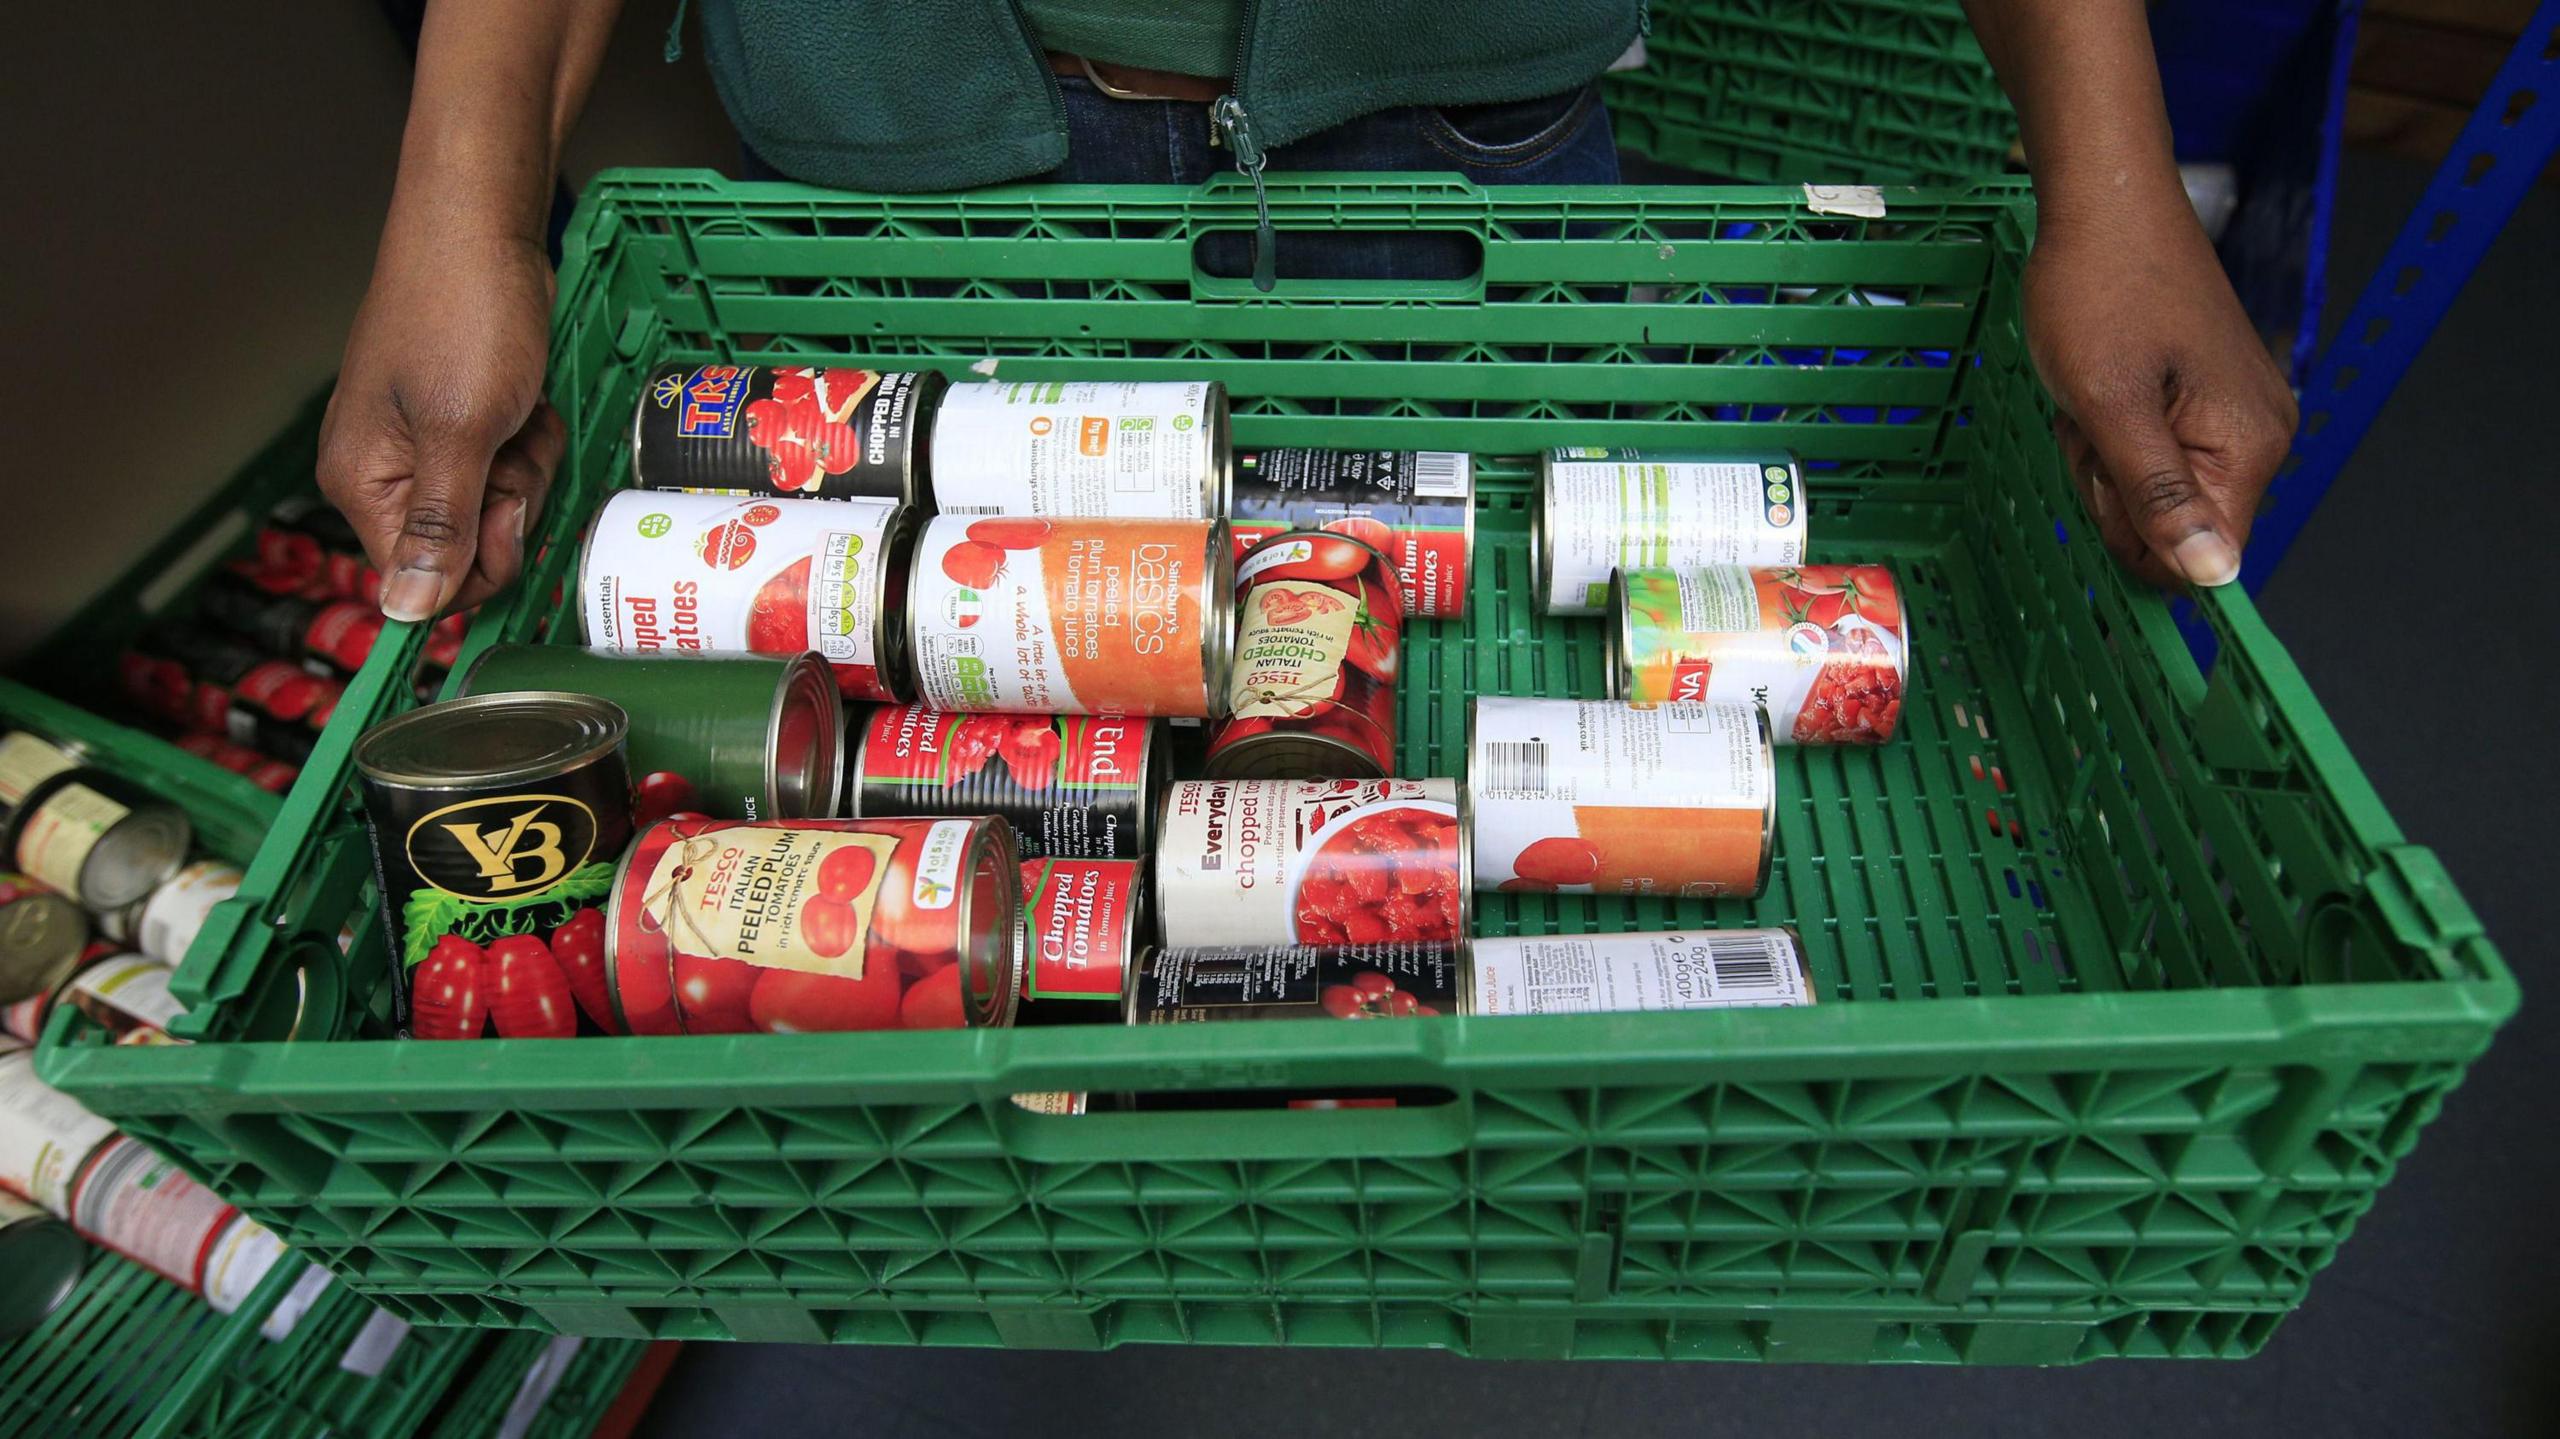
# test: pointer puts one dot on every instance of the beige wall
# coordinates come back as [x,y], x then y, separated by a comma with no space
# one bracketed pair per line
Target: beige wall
[192,196]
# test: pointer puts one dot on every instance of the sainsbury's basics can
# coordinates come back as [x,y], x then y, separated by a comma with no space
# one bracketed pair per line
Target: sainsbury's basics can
[1083,449]
[1601,510]
[1328,862]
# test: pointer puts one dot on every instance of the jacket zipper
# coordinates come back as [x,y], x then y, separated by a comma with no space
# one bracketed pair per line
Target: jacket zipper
[1227,118]
[1040,62]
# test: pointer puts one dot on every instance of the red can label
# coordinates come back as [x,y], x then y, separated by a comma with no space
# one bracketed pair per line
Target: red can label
[1071,786]
[1411,507]
[1078,918]
[797,430]
[1820,647]
[1319,621]
[1247,862]
[145,1208]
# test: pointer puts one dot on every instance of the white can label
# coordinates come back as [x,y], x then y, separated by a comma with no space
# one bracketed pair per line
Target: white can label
[1620,509]
[145,1208]
[27,761]
[1585,796]
[45,1134]
[129,996]
[1086,448]
[369,1353]
[54,845]
[1582,974]
[1284,861]
[177,910]
[242,1256]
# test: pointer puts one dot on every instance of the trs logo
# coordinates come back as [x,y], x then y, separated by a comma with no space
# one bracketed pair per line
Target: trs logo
[502,846]
[706,402]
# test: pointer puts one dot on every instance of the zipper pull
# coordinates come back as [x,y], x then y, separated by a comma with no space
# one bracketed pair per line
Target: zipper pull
[1228,115]
[675,34]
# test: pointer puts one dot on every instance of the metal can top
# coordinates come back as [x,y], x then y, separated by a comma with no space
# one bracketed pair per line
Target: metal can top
[490,739]
[41,936]
[40,1264]
[804,741]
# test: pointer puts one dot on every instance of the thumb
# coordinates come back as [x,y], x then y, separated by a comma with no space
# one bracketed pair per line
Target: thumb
[439,533]
[2172,513]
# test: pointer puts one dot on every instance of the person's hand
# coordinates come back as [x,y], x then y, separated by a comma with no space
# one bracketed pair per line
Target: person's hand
[2173,417]
[437,444]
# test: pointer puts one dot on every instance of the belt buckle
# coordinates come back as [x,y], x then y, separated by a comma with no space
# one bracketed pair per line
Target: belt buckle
[1110,90]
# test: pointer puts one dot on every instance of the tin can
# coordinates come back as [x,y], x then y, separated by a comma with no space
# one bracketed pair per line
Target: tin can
[1604,510]
[273,775]
[41,936]
[41,1260]
[24,1019]
[1313,689]
[145,1208]
[128,996]
[1593,797]
[496,821]
[1084,449]
[717,927]
[175,913]
[242,1256]
[1295,981]
[46,1136]
[89,834]
[1418,508]
[1591,973]
[1073,616]
[1822,648]
[1072,786]
[1278,861]
[736,736]
[701,574]
[823,433]
[1079,927]
[336,634]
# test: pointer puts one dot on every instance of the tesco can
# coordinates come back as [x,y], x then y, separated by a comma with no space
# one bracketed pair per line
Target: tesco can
[1601,510]
[46,1136]
[1596,797]
[1083,448]
[1071,786]
[1312,693]
[145,1208]
[1825,649]
[1028,615]
[704,574]
[1079,929]
[1593,973]
[815,432]
[1418,508]
[1265,862]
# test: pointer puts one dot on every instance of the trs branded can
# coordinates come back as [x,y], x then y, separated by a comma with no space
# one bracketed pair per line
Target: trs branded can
[145,1208]
[1604,510]
[41,938]
[1313,690]
[826,433]
[46,1136]
[1590,973]
[818,925]
[1594,797]
[41,1260]
[1083,448]
[1177,985]
[1025,615]
[697,574]
[496,821]
[736,736]
[1079,927]
[1418,508]
[85,832]
[1072,786]
[1823,648]
[1312,862]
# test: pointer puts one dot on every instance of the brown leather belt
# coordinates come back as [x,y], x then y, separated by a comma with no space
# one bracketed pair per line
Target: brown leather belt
[1136,82]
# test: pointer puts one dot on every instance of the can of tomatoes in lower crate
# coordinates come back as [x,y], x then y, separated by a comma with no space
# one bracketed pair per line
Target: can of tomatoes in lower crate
[268,773]
[815,432]
[1313,691]
[1187,985]
[1592,973]
[1596,797]
[701,573]
[1083,448]
[496,822]
[145,1208]
[46,1136]
[736,736]
[333,634]
[1418,508]
[1825,649]
[1279,861]
[127,996]
[1072,786]
[1079,926]
[42,1259]
[718,927]
[165,925]
[95,837]
[243,1255]
[1604,510]
[1020,614]
[41,938]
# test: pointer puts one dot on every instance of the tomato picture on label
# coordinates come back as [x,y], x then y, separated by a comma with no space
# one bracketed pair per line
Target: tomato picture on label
[1370,994]
[778,617]
[934,1002]
[787,1001]
[528,995]
[846,873]
[827,926]
[446,999]
[1011,532]
[727,546]
[711,993]
[579,947]
[974,563]
[1822,648]
[1388,875]
[1326,558]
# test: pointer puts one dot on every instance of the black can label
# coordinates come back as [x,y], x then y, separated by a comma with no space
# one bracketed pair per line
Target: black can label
[1361,981]
[1411,507]
[798,430]
[1071,786]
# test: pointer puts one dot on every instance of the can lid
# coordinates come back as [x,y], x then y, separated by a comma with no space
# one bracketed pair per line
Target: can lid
[490,739]
[1283,754]
[804,743]
[41,936]
[40,1264]
[990,925]
[136,855]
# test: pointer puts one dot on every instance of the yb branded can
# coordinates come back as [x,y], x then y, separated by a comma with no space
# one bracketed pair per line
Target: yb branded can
[1313,689]
[700,574]
[41,936]
[145,1208]
[1592,797]
[89,834]
[1416,508]
[46,1136]
[826,433]
[1604,510]
[128,996]
[1823,648]
[1079,923]
[1072,616]
[1589,973]
[736,736]
[1072,786]
[496,822]
[848,924]
[1260,862]
[170,919]
[1360,981]
[40,1264]
[1083,448]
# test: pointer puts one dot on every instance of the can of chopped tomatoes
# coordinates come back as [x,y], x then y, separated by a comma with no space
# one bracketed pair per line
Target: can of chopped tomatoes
[43,1260]
[1604,510]
[1312,694]
[42,935]
[1593,973]
[268,773]
[1276,861]
[46,1136]
[336,634]
[1027,615]
[736,736]
[130,1200]
[204,679]
[825,433]
[1071,786]
[787,927]
[1596,797]
[1083,449]
[1825,649]
[89,834]
[1079,927]
[697,574]
[496,821]
[1418,508]
[1189,985]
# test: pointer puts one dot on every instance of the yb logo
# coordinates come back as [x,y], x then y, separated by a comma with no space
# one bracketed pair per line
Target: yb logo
[504,846]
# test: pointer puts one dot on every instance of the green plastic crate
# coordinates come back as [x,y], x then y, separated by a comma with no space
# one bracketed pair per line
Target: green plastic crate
[1872,91]
[502,1389]
[2133,996]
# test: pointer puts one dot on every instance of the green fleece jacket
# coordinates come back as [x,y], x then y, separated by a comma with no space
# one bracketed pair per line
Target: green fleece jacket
[948,94]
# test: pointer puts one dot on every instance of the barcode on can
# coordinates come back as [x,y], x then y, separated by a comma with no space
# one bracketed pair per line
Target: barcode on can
[1737,963]
[1514,765]
[1440,475]
[971,510]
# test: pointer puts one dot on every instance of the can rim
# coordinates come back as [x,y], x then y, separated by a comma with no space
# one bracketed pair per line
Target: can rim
[30,1240]
[991,855]
[31,973]
[1617,669]
[1143,959]
[1768,802]
[143,850]
[1542,560]
[640,410]
[1218,485]
[857,758]
[925,405]
[613,927]
[586,562]
[1466,543]
[1215,767]
[611,727]
[1464,803]
[1151,787]
[893,642]
[1160,856]
[807,673]
[1218,619]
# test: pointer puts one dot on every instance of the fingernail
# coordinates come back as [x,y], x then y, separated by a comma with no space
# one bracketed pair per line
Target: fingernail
[411,594]
[2206,558]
